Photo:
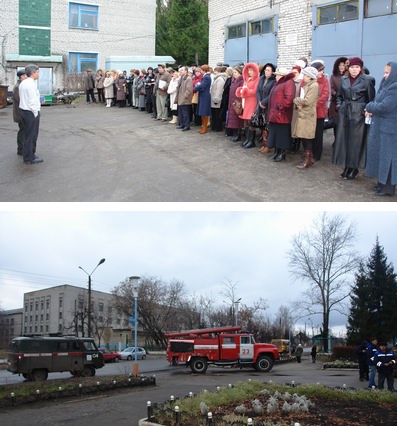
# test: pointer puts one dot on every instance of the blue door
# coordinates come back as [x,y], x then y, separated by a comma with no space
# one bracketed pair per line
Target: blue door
[356,28]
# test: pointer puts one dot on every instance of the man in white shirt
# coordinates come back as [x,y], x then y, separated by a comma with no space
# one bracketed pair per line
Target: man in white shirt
[29,107]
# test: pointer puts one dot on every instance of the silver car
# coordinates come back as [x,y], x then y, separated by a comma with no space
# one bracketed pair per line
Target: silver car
[129,353]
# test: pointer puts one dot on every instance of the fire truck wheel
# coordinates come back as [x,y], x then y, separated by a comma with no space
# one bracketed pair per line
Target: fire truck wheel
[264,364]
[199,365]
[39,375]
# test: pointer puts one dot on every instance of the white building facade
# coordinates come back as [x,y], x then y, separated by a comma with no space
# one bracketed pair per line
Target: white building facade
[64,310]
[66,37]
[281,31]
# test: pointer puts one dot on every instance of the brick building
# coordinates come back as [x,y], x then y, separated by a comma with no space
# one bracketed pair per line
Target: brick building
[65,37]
[281,31]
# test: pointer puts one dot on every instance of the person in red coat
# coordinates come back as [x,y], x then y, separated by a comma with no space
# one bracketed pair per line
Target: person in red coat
[280,113]
[248,95]
[322,109]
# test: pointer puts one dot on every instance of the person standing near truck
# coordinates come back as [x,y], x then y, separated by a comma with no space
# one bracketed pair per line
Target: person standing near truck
[372,348]
[384,360]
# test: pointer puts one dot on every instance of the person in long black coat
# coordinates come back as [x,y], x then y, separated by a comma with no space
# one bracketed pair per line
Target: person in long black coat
[382,136]
[355,91]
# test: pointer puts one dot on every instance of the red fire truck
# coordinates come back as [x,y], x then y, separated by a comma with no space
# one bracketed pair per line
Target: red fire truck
[222,346]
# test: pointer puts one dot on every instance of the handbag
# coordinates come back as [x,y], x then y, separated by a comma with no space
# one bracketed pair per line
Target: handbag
[258,118]
[237,107]
[329,122]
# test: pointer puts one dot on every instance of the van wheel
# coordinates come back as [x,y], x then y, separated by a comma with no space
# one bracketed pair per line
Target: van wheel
[88,371]
[39,375]
[264,364]
[199,365]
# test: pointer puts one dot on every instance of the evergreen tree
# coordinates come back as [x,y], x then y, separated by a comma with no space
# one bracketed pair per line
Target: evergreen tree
[373,310]
[182,30]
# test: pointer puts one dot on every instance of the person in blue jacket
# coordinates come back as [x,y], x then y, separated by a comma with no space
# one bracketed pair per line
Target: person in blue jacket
[385,361]
[372,348]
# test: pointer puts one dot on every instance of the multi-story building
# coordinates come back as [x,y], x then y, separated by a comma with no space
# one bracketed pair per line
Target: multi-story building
[10,325]
[64,309]
[281,31]
[66,37]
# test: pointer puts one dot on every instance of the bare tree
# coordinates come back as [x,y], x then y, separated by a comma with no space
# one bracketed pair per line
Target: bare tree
[324,256]
[159,306]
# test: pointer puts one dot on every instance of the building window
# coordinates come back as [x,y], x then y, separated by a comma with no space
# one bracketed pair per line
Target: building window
[47,316]
[261,27]
[340,12]
[31,307]
[60,315]
[42,305]
[46,328]
[100,307]
[35,13]
[379,7]
[26,307]
[237,31]
[48,304]
[100,319]
[37,306]
[60,302]
[79,62]
[83,16]
[34,41]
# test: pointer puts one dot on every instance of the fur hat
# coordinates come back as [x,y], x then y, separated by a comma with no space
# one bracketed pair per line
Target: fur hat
[300,63]
[318,64]
[310,72]
[356,61]
[281,71]
[239,68]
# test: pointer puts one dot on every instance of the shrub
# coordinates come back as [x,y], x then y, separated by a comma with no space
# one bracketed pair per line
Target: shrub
[344,352]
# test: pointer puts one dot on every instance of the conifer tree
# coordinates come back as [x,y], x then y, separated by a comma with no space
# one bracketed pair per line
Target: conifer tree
[182,30]
[373,310]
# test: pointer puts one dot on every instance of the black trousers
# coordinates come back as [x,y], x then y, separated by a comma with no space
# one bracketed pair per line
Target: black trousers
[319,137]
[32,125]
[184,115]
[20,137]
[90,92]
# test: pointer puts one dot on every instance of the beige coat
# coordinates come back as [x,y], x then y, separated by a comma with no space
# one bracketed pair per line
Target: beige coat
[185,92]
[305,126]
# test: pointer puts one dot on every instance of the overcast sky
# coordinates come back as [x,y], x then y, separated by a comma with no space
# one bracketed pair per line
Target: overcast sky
[44,247]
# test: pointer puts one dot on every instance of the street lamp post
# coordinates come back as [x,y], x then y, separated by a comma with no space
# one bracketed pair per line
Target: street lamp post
[236,303]
[135,283]
[89,293]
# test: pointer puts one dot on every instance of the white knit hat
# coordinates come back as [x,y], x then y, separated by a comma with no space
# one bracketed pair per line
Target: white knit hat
[310,72]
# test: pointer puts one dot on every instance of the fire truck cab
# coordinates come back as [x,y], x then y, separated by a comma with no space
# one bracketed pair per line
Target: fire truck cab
[221,347]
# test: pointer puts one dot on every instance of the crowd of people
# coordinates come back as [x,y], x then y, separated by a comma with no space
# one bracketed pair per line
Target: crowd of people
[277,109]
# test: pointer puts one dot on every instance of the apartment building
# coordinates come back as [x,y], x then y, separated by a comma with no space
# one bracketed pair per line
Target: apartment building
[66,37]
[281,31]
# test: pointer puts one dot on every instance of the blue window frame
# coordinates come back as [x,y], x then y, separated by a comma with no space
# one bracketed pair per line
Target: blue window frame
[83,16]
[79,62]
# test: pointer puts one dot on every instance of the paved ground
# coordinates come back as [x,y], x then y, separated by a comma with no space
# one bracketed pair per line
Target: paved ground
[93,153]
[129,407]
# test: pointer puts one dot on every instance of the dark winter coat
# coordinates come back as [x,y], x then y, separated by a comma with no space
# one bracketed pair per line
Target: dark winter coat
[382,136]
[203,88]
[281,100]
[225,98]
[382,358]
[351,133]
[233,120]
[263,90]
[121,83]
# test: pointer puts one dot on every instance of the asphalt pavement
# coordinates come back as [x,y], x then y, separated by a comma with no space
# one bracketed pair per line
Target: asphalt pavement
[127,407]
[97,154]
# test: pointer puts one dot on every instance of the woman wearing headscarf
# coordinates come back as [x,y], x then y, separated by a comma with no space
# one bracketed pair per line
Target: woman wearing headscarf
[298,78]
[234,122]
[197,77]
[355,91]
[225,99]
[266,82]
[248,95]
[382,136]
[306,103]
[339,70]
[121,83]
[280,113]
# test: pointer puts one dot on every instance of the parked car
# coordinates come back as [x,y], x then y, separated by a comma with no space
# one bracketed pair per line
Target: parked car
[129,353]
[109,356]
